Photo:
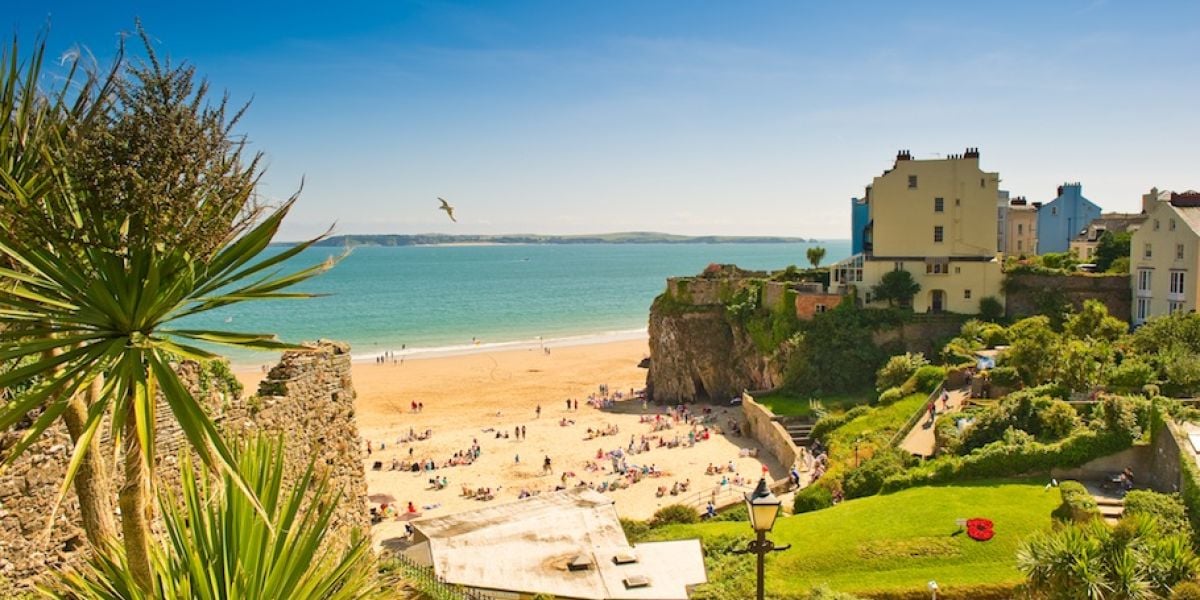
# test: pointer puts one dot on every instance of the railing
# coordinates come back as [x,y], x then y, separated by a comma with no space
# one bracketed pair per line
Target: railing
[720,496]
[916,416]
[432,586]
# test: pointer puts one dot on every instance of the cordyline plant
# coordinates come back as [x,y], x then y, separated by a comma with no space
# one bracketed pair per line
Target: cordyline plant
[92,293]
[217,547]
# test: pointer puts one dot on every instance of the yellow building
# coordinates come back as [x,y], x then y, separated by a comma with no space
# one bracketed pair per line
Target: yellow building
[936,219]
[1085,244]
[1021,223]
[1164,256]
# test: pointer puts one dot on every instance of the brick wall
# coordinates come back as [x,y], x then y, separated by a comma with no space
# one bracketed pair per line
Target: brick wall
[1025,293]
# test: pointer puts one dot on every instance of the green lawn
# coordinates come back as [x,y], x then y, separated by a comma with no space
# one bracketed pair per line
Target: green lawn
[787,404]
[880,421]
[892,542]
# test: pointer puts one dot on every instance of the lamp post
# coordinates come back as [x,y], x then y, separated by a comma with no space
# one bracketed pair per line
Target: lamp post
[763,508]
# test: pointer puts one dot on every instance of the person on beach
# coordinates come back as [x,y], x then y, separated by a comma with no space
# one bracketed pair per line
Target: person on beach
[523,433]
[546,465]
[538,410]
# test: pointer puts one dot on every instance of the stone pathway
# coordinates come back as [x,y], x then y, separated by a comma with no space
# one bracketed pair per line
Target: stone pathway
[920,440]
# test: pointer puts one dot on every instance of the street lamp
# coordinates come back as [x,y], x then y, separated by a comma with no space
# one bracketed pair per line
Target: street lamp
[763,508]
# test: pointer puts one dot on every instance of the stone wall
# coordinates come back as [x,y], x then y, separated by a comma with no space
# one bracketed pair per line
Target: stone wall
[307,399]
[760,423]
[922,333]
[1026,294]
[1138,458]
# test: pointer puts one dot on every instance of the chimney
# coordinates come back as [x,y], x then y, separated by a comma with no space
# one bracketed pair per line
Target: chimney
[1060,189]
[1036,205]
[971,153]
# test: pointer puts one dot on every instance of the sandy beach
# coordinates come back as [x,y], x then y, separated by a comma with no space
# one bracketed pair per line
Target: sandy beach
[469,399]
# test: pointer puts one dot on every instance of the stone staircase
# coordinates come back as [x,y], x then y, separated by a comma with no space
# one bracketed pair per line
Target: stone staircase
[1111,509]
[800,431]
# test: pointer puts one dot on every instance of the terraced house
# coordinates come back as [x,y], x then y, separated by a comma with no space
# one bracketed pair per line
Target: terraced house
[1165,256]
[936,219]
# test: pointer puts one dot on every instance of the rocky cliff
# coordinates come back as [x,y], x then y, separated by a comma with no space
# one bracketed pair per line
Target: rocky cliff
[699,354]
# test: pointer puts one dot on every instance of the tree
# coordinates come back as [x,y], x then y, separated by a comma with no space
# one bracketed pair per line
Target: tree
[990,309]
[898,369]
[815,255]
[1093,322]
[1033,349]
[218,547]
[97,289]
[896,287]
[1111,247]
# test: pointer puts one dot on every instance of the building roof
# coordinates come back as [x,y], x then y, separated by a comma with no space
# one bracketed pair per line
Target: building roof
[527,545]
[1191,216]
[1114,222]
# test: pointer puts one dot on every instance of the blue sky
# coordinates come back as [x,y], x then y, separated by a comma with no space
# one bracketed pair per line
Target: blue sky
[688,117]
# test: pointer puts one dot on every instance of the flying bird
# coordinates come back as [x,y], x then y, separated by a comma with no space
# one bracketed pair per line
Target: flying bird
[449,209]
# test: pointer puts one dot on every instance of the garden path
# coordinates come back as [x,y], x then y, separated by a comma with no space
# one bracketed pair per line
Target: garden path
[920,440]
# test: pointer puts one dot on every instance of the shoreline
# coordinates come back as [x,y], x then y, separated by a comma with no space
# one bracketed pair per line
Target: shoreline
[427,352]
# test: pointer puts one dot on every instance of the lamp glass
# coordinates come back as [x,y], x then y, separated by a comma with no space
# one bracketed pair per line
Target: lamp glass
[763,507]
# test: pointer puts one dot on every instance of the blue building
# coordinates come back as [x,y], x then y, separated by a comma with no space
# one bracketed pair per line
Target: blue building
[860,220]
[1062,218]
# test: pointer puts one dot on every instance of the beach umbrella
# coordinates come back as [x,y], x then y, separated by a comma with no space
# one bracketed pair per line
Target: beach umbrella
[382,498]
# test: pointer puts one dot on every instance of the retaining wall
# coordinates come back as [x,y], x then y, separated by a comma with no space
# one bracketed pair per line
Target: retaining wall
[759,422]
[1026,293]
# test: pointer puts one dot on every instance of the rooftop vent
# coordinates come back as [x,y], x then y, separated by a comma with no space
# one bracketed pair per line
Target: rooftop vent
[624,558]
[636,581]
[579,563]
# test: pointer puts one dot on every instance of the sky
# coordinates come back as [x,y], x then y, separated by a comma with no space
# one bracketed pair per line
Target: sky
[730,118]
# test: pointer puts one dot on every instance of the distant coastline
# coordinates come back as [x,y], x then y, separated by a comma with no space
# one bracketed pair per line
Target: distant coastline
[634,237]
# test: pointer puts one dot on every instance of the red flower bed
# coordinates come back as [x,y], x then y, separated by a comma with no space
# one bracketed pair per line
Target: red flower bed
[980,530]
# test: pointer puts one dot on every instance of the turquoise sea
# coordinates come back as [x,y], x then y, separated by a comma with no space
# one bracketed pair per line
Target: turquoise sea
[447,298]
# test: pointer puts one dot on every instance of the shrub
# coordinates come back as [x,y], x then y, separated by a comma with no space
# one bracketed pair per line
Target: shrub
[945,434]
[813,497]
[1167,508]
[1078,505]
[868,478]
[990,309]
[674,513]
[1005,377]
[1188,590]
[1057,420]
[891,395]
[738,512]
[825,593]
[927,378]
[635,531]
[1131,375]
[898,369]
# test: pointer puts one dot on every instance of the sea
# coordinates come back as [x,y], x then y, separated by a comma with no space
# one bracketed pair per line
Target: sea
[438,300]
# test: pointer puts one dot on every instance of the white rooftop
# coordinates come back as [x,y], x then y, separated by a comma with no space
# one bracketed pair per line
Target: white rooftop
[525,546]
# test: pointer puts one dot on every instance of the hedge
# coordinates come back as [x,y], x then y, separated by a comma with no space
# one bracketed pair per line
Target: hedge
[1168,509]
[813,497]
[978,591]
[829,422]
[1078,505]
[1000,460]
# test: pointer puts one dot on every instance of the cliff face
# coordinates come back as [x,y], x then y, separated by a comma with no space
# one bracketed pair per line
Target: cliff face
[697,354]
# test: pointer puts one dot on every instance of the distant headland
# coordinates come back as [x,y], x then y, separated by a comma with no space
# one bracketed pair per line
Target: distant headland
[629,237]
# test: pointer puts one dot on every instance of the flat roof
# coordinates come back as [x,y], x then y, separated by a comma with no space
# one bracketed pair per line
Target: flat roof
[527,545]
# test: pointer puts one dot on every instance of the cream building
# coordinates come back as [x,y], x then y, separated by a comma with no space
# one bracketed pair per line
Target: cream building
[1020,222]
[1165,258]
[1085,244]
[936,219]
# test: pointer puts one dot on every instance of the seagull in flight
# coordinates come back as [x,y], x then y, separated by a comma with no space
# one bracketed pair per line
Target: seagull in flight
[449,209]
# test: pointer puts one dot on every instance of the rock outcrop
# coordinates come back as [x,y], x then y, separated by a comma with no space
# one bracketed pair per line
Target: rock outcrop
[699,354]
[307,399]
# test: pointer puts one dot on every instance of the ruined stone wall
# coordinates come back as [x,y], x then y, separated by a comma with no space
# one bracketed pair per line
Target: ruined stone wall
[308,399]
[1026,294]
[921,334]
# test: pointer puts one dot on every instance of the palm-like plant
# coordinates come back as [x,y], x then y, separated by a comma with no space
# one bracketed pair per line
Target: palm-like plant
[218,547]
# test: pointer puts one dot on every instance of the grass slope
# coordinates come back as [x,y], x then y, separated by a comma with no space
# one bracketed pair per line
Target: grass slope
[894,542]
[786,404]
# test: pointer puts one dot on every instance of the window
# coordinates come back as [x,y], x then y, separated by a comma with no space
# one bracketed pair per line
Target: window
[939,204]
[1053,211]
[912,182]
[937,266]
[1177,282]
[1171,224]
[966,294]
[957,270]
[868,298]
[1147,253]
[1020,229]
[1156,224]
[1175,306]
[937,233]
[1019,244]
[898,266]
[981,183]
[1178,251]
[1144,280]
[1143,309]
[820,308]
[958,201]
